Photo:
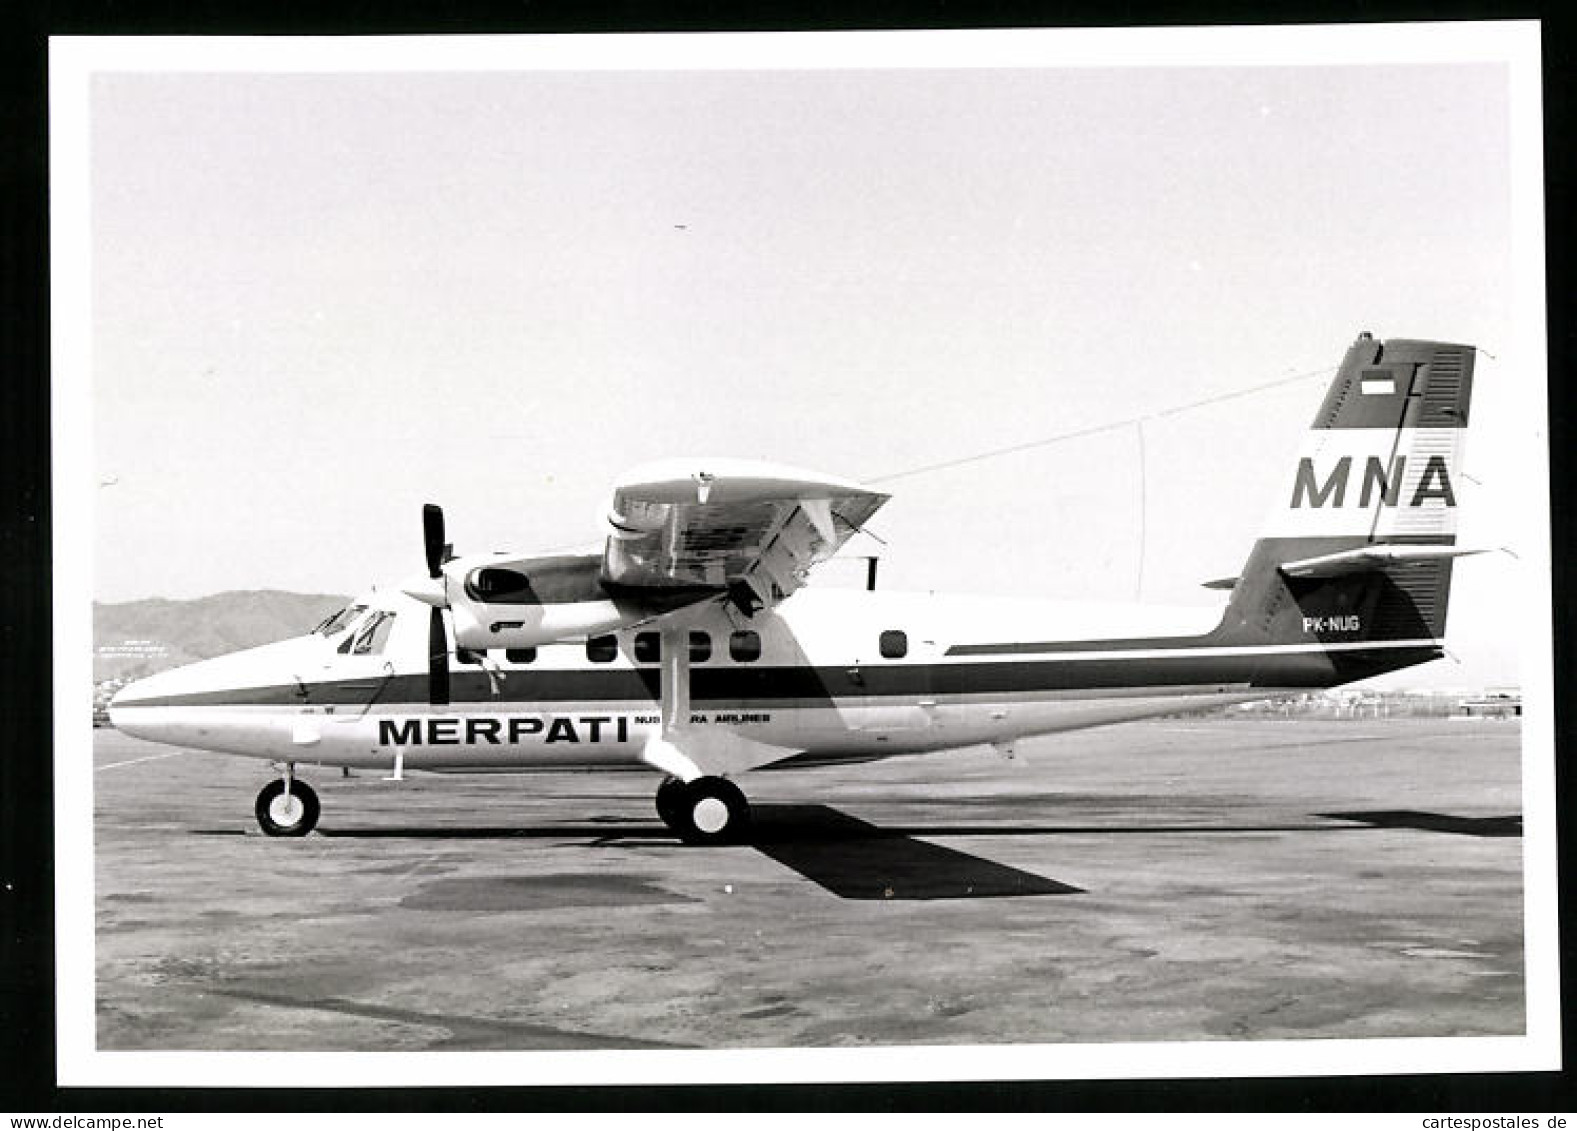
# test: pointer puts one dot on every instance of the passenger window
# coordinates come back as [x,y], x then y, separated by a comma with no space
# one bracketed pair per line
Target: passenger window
[649,647]
[894,644]
[745,646]
[520,655]
[602,649]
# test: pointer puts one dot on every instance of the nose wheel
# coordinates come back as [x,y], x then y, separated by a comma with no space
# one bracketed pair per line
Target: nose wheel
[287,807]
[709,810]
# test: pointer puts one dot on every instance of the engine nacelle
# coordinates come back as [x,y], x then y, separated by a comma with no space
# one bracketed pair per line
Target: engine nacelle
[500,602]
[482,626]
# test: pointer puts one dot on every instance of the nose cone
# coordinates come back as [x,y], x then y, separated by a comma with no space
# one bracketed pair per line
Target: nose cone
[131,708]
[158,706]
[190,686]
[156,690]
[135,709]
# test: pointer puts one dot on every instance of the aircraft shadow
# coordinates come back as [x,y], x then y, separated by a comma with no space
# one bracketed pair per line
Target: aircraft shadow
[844,855]
[1509,825]
[854,859]
[777,824]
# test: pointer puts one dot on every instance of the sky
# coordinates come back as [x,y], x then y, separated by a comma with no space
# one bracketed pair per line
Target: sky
[319,300]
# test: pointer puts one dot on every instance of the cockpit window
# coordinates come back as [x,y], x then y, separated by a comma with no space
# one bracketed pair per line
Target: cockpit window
[379,633]
[352,629]
[370,635]
[340,620]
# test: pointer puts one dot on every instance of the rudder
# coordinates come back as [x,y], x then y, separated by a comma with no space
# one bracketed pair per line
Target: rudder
[1359,547]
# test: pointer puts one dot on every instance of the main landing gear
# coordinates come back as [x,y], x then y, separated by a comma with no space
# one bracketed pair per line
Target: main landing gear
[708,810]
[287,807]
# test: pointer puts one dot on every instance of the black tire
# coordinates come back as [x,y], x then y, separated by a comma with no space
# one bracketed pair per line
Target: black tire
[703,822]
[670,803]
[272,817]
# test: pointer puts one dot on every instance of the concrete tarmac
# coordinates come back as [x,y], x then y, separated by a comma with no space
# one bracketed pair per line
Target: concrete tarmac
[1170,880]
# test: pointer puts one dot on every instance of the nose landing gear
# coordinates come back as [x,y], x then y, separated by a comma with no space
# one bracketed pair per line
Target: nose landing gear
[708,810]
[287,807]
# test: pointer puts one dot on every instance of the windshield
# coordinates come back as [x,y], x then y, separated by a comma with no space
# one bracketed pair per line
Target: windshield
[340,620]
[370,634]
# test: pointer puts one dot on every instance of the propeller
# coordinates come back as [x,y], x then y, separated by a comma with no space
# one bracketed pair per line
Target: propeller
[437,637]
[433,538]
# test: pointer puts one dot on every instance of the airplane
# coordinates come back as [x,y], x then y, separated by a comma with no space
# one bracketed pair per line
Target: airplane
[691,648]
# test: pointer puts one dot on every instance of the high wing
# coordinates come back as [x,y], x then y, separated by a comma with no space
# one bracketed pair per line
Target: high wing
[681,533]
[754,529]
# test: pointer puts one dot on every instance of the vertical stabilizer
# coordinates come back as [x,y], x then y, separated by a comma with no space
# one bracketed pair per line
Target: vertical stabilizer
[1357,546]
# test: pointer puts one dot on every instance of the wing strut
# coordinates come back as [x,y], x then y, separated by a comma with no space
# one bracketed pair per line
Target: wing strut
[676,679]
[662,750]
[705,751]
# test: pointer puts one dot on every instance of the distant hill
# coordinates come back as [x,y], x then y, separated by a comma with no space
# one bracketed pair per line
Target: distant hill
[137,638]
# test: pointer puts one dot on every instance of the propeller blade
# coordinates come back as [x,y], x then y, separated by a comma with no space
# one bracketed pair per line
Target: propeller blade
[437,660]
[433,537]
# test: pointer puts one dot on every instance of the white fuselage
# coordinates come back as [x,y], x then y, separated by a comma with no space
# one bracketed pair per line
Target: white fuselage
[828,675]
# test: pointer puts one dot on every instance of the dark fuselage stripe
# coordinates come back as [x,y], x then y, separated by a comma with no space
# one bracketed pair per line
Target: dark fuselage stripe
[1217,642]
[830,686]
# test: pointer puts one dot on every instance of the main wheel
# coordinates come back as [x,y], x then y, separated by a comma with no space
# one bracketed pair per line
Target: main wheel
[670,803]
[714,811]
[293,814]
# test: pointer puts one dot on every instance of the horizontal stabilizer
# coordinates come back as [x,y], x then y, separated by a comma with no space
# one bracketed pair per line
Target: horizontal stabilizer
[1365,559]
[1220,583]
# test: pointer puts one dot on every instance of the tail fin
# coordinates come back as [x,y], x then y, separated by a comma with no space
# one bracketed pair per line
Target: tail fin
[1359,548]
